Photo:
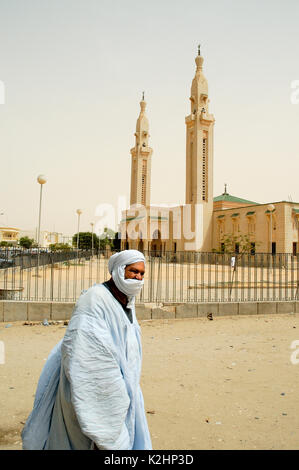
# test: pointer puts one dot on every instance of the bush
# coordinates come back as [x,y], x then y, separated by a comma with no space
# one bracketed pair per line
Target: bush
[85,241]
[26,242]
[59,247]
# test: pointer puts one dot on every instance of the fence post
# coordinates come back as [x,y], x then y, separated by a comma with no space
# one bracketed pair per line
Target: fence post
[52,280]
[158,290]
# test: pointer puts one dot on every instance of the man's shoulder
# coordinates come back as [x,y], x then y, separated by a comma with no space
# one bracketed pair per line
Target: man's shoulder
[96,297]
[96,290]
[90,307]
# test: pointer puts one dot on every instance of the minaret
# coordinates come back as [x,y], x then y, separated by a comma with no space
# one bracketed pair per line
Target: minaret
[199,150]
[141,161]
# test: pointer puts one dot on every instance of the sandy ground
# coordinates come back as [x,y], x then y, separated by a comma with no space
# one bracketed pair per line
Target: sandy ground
[222,384]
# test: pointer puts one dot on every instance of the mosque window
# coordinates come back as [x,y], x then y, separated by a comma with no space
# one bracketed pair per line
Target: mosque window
[294,248]
[143,182]
[192,172]
[204,169]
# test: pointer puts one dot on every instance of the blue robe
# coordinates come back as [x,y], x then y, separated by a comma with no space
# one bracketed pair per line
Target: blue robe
[89,389]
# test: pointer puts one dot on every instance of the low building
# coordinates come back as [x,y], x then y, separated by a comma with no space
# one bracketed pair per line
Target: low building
[47,237]
[271,228]
[9,235]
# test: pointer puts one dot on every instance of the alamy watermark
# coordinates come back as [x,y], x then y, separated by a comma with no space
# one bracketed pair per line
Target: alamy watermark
[295,354]
[183,222]
[2,353]
[295,94]
[2,92]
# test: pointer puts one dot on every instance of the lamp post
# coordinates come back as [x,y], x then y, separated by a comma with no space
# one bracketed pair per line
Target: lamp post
[41,179]
[271,208]
[79,212]
[92,224]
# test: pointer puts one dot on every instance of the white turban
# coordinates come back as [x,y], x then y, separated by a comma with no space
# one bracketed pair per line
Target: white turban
[116,267]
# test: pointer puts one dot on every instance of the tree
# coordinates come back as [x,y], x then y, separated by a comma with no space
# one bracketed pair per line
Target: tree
[59,247]
[85,241]
[237,244]
[107,239]
[26,242]
[4,243]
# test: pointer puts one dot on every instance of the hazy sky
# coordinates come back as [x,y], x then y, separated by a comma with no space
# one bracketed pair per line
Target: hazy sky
[74,72]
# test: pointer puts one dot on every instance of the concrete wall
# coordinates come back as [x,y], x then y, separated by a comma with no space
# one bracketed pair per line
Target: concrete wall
[38,311]
[34,311]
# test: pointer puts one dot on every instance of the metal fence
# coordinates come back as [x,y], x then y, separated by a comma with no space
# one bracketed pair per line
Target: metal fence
[170,277]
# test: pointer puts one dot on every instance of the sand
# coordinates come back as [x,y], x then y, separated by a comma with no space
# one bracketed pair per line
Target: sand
[222,384]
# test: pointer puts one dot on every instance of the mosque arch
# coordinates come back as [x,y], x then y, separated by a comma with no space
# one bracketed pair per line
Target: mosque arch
[156,243]
[140,242]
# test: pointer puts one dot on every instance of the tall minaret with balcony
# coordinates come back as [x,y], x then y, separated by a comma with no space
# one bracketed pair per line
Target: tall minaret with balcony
[141,161]
[199,151]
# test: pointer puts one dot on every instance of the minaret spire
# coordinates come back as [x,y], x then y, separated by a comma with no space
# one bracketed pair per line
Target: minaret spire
[141,160]
[199,150]
[198,61]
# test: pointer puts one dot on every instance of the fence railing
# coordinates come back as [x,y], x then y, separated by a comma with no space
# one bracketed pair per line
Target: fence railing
[169,278]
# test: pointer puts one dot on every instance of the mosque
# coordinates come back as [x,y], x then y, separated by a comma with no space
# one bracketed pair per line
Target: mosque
[204,220]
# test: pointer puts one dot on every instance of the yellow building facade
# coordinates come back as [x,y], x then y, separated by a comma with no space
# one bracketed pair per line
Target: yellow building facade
[9,235]
[271,228]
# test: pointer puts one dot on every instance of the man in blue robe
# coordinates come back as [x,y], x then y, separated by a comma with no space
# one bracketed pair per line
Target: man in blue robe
[88,395]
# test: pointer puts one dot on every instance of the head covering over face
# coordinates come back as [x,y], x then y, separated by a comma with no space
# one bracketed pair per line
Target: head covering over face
[116,266]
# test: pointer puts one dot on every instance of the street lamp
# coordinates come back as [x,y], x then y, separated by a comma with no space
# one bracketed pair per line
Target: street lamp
[92,224]
[41,179]
[79,212]
[271,208]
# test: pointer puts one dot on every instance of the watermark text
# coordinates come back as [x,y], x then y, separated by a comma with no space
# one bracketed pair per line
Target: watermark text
[2,92]
[183,222]
[295,94]
[295,354]
[2,353]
